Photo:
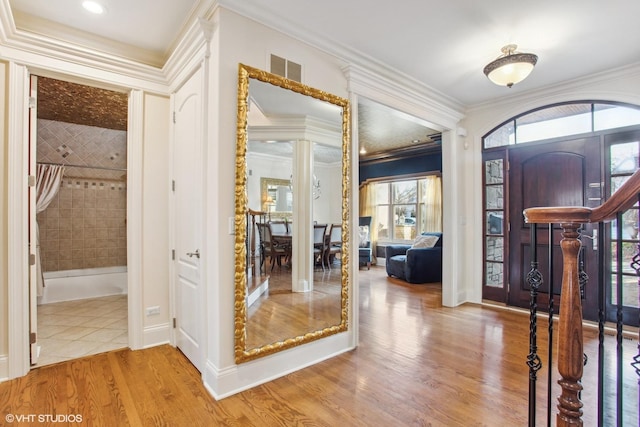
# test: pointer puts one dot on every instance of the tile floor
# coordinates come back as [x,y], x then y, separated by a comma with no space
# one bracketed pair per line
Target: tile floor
[72,329]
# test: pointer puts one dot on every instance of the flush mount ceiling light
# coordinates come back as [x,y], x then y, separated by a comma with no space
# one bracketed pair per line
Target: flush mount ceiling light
[93,7]
[511,67]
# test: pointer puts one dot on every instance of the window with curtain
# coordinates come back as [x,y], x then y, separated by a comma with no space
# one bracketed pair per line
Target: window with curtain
[408,207]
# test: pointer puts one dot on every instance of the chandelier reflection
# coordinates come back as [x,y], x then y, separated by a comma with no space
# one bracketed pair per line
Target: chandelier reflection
[315,186]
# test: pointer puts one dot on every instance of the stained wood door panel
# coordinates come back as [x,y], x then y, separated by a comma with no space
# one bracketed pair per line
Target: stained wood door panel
[554,174]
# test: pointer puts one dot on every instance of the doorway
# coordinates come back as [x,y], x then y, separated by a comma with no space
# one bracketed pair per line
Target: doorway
[563,173]
[570,171]
[81,302]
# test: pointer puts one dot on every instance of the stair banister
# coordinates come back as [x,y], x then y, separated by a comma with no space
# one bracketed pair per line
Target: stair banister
[570,339]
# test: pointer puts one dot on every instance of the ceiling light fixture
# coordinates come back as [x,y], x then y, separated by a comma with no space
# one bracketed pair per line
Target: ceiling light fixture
[363,150]
[93,7]
[511,67]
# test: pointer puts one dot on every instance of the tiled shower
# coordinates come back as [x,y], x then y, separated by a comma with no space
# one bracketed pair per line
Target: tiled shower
[83,230]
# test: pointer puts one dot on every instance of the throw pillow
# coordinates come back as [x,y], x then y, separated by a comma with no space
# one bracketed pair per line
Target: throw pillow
[364,236]
[425,241]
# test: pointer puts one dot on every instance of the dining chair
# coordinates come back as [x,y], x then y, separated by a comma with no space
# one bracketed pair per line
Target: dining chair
[334,245]
[268,248]
[319,243]
[279,229]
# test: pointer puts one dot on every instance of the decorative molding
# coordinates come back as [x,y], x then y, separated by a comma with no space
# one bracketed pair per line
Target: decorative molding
[298,128]
[135,141]
[156,335]
[27,24]
[332,47]
[405,96]
[32,49]
[189,52]
[432,148]
[17,215]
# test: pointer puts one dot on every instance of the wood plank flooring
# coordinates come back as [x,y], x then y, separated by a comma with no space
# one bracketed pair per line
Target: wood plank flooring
[418,364]
[280,313]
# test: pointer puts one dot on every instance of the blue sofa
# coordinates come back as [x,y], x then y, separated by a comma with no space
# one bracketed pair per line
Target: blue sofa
[415,265]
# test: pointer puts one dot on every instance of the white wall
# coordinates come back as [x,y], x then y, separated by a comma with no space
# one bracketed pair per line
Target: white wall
[240,40]
[327,207]
[621,85]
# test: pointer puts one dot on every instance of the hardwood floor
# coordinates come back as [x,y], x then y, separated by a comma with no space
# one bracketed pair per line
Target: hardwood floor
[418,364]
[280,314]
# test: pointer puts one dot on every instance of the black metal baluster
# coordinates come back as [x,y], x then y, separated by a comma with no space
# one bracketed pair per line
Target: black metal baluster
[534,280]
[601,319]
[635,264]
[550,328]
[619,319]
[583,279]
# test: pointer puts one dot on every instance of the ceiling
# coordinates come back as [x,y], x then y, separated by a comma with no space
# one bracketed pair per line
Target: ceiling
[441,44]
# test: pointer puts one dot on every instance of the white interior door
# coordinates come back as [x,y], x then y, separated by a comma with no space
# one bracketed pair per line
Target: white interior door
[187,168]
[33,278]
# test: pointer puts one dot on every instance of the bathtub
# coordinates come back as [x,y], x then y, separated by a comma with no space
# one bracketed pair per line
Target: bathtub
[80,284]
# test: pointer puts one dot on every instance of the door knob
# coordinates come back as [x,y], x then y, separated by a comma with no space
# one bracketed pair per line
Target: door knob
[194,254]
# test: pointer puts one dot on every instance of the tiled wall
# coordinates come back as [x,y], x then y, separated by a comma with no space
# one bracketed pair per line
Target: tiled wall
[84,226]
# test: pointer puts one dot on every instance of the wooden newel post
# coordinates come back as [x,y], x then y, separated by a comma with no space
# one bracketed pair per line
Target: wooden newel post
[570,341]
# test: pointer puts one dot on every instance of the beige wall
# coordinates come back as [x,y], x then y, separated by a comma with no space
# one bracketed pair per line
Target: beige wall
[3,215]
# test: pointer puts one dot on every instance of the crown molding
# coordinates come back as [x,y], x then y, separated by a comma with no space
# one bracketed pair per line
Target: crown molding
[193,47]
[56,59]
[359,61]
[37,51]
[402,96]
[433,148]
[29,24]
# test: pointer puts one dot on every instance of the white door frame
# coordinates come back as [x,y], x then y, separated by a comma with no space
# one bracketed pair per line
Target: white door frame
[17,236]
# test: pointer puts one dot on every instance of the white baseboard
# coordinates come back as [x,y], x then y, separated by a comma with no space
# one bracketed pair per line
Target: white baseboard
[156,335]
[4,368]
[221,383]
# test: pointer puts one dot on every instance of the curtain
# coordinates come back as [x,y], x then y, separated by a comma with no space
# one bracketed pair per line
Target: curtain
[433,203]
[368,208]
[48,180]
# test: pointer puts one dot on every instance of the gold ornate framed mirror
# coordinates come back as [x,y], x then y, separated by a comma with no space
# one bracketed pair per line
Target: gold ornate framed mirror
[289,132]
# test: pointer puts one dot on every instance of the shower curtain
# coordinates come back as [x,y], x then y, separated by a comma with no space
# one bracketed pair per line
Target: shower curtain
[48,180]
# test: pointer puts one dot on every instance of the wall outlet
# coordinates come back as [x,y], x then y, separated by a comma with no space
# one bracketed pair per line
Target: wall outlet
[153,310]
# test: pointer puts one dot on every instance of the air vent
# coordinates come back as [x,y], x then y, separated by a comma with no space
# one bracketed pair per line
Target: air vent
[285,68]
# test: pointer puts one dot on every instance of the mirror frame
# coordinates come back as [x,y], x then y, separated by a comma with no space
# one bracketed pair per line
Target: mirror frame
[264,186]
[242,354]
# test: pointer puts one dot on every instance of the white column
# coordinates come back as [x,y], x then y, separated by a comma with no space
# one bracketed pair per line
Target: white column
[302,250]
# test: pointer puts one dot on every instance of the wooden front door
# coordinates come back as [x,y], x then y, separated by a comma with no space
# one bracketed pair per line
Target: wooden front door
[564,173]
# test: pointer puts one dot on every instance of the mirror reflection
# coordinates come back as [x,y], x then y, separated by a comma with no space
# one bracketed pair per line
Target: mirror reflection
[291,198]
[276,197]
